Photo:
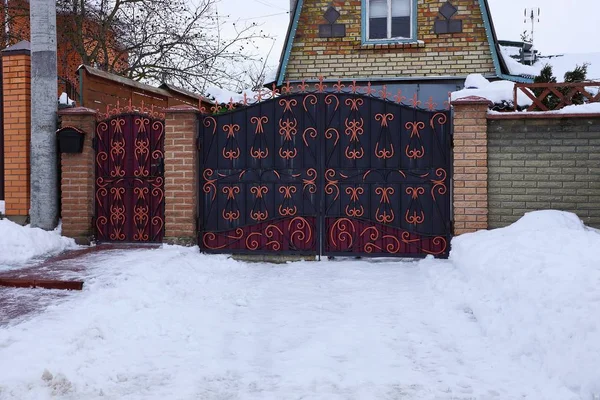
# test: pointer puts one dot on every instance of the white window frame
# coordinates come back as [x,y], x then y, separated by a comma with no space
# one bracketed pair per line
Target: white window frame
[367,4]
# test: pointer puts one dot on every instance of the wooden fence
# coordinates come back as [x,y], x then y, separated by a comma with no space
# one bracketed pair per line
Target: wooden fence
[554,96]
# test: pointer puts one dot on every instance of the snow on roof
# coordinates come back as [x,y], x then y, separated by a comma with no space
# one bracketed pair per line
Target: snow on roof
[515,67]
[567,62]
[560,63]
[497,92]
[270,75]
[222,96]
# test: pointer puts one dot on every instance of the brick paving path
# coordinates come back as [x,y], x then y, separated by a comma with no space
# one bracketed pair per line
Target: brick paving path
[19,303]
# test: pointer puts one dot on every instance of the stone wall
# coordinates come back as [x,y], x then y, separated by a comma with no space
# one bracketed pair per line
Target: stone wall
[547,162]
[457,54]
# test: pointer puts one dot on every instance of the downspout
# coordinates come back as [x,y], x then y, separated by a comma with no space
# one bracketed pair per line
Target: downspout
[81,86]
[6,24]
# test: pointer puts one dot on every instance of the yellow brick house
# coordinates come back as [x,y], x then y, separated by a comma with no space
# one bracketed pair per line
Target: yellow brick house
[427,47]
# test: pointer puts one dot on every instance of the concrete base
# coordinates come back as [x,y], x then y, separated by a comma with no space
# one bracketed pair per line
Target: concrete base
[83,240]
[271,258]
[181,241]
[18,219]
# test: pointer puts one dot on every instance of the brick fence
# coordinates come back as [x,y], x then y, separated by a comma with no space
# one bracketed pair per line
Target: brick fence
[470,201]
[503,166]
[77,178]
[16,87]
[543,162]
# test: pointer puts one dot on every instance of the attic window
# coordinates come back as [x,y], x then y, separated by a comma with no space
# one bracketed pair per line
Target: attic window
[389,19]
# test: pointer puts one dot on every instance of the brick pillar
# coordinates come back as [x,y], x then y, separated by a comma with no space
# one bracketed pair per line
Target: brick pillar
[16,72]
[77,178]
[470,164]
[181,175]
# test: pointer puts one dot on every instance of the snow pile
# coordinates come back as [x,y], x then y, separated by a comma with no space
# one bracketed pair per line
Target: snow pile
[497,92]
[22,243]
[533,288]
[65,100]
[2,207]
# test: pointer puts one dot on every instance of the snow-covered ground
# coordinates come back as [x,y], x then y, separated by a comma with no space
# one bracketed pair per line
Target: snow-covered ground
[19,244]
[513,314]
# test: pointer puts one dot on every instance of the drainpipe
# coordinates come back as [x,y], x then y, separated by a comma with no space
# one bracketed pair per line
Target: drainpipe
[6,24]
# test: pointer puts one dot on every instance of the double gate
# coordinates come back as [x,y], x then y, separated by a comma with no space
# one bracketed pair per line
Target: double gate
[326,174]
[129,204]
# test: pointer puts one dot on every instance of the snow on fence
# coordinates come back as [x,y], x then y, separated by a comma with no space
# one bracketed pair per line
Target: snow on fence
[554,96]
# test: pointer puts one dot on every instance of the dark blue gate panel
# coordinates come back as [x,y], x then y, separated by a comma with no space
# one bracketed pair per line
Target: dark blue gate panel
[327,174]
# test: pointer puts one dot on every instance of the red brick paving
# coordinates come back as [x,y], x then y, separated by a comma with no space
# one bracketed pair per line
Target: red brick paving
[18,303]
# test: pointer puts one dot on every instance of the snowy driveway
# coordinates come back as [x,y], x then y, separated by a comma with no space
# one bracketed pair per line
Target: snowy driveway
[174,324]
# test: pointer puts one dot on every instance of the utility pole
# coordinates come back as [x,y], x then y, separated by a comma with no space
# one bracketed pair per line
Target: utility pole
[44,108]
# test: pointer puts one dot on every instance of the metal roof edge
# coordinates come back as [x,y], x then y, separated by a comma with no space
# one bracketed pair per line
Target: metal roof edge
[289,40]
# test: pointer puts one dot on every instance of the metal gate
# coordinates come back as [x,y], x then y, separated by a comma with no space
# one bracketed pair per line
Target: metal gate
[326,174]
[129,179]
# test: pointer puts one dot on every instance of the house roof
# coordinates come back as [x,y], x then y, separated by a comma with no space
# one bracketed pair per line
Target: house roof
[124,81]
[499,65]
[185,92]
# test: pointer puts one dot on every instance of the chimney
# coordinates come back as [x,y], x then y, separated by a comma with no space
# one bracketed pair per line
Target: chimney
[292,7]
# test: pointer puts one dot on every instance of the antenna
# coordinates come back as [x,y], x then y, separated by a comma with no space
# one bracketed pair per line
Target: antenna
[534,16]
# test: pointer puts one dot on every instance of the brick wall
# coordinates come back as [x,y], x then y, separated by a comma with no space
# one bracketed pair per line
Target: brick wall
[470,195]
[544,163]
[456,54]
[16,71]
[181,175]
[77,178]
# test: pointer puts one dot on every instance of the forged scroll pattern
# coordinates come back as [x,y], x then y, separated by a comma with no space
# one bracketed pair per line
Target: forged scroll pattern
[129,185]
[290,234]
[375,174]
[347,235]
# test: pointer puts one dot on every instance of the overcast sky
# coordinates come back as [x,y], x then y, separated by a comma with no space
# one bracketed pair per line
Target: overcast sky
[565,25]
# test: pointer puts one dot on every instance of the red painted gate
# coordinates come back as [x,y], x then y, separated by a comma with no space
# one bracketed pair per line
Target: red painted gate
[130,178]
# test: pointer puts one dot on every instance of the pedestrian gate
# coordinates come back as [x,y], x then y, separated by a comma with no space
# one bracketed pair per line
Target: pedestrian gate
[129,178]
[337,173]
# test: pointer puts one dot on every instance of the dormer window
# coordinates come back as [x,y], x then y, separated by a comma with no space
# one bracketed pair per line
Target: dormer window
[390,20]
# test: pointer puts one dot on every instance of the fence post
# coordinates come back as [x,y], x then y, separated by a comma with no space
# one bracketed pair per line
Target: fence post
[77,178]
[16,71]
[470,183]
[181,175]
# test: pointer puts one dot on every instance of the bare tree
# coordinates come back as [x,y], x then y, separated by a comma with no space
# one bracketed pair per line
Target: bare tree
[175,41]
[183,42]
[255,73]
